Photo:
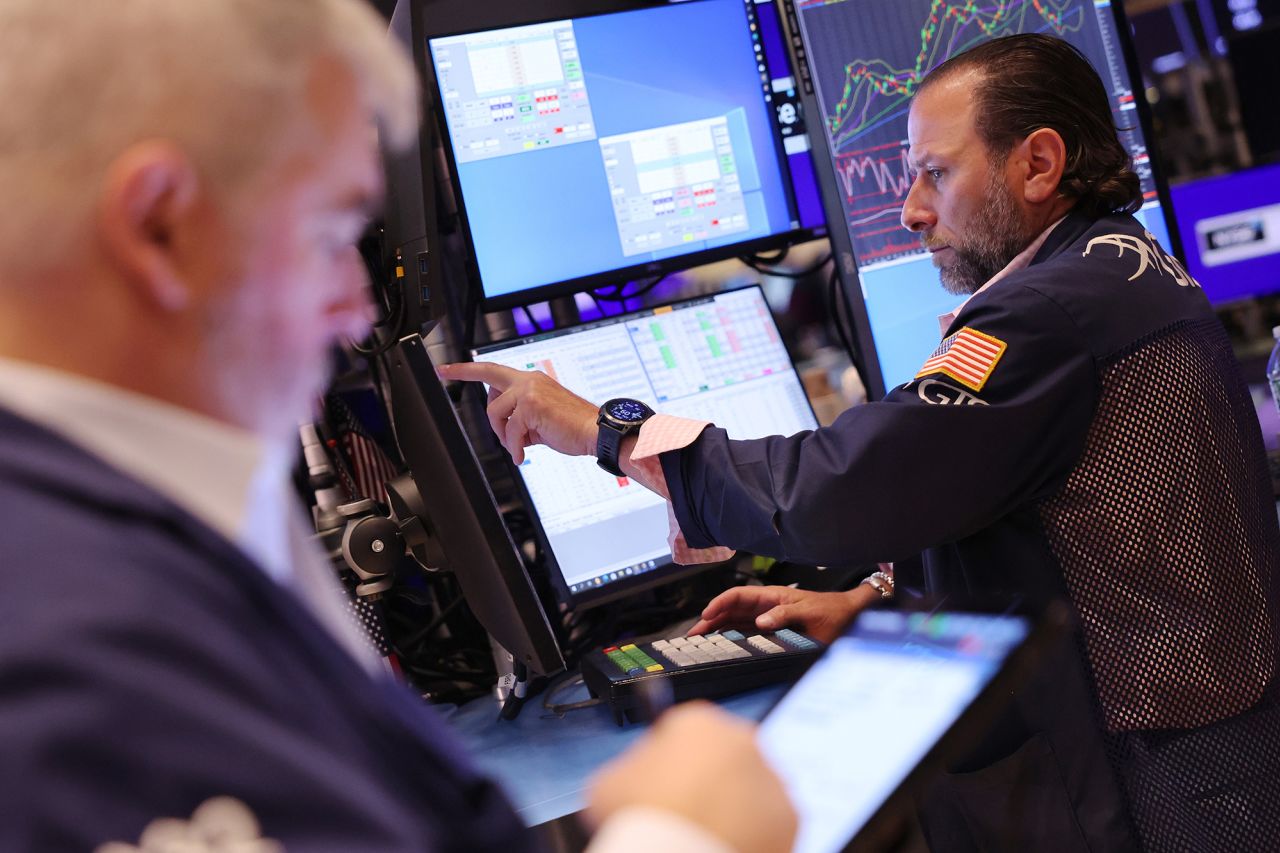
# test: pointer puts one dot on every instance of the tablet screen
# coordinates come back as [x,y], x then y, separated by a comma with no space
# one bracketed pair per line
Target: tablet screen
[848,734]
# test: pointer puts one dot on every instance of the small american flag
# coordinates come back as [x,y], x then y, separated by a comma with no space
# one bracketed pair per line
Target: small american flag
[968,356]
[369,465]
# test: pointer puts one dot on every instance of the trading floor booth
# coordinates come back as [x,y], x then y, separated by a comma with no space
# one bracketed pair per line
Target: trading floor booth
[588,155]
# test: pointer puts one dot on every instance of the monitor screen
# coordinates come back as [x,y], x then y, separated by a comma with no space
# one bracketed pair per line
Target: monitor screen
[1231,230]
[593,150]
[716,358]
[865,59]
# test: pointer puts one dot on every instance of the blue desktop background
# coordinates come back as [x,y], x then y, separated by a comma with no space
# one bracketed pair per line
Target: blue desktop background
[543,217]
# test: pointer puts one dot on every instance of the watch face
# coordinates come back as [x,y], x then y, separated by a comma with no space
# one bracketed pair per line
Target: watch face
[627,411]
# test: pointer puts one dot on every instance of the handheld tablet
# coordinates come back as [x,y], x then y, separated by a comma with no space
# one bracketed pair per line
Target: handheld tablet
[887,704]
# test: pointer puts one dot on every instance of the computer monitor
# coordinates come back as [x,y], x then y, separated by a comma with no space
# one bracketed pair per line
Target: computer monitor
[789,109]
[590,149]
[449,516]
[861,63]
[716,358]
[1231,230]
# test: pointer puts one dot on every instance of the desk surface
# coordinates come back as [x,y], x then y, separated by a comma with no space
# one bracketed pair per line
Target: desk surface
[543,761]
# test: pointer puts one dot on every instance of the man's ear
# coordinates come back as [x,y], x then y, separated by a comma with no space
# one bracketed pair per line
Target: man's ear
[148,194]
[1046,157]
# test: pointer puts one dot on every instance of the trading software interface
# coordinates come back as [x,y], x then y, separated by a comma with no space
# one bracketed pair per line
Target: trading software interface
[867,58]
[596,144]
[717,359]
[915,672]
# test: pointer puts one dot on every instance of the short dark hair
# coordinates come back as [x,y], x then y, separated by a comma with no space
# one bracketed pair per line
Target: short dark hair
[1034,81]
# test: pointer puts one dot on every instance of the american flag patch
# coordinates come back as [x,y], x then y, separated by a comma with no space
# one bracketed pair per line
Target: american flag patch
[968,357]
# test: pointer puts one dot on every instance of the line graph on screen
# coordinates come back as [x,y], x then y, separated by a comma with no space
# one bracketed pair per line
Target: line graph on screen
[869,59]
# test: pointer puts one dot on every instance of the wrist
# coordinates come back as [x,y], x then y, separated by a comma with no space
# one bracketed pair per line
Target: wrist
[861,597]
[881,581]
[590,433]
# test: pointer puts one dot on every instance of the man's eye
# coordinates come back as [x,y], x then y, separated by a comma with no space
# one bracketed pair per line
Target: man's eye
[936,174]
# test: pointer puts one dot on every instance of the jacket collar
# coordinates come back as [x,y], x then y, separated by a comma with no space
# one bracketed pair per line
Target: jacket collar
[1073,226]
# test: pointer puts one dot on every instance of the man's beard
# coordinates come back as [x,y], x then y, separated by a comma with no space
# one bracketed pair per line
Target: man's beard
[997,234]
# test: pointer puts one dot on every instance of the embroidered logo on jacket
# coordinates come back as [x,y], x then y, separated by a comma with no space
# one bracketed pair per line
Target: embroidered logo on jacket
[935,392]
[1150,256]
[968,356]
[219,825]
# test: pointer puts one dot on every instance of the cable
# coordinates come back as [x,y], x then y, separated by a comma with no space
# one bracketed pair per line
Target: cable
[388,291]
[519,692]
[569,681]
[755,263]
[425,632]
[617,295]
[532,320]
[777,258]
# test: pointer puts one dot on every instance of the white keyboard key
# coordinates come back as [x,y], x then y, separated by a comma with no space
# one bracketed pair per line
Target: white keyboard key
[764,644]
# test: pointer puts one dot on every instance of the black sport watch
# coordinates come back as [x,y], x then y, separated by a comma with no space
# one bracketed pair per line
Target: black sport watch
[618,418]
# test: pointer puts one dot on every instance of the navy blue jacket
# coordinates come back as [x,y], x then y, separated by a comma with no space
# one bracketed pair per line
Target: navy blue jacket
[963,472]
[146,666]
[1082,432]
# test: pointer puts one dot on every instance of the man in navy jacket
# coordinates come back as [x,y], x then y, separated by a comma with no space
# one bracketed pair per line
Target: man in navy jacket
[1081,431]
[184,184]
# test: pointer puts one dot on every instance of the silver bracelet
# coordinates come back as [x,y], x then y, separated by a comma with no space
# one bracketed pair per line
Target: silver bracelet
[881,582]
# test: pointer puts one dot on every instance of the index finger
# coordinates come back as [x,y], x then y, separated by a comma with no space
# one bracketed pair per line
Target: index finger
[494,375]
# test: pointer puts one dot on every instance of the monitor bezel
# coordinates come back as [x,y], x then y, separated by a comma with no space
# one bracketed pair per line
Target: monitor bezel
[458,19]
[842,245]
[450,497]
[663,573]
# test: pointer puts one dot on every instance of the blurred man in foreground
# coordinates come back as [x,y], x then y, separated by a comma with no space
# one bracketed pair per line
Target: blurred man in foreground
[184,184]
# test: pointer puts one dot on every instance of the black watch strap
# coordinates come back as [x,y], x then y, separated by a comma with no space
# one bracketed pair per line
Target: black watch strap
[608,446]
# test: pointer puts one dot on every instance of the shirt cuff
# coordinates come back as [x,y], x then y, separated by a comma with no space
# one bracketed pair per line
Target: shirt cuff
[658,435]
[643,829]
[662,433]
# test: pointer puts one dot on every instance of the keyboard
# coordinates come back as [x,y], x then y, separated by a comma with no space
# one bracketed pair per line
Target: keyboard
[638,680]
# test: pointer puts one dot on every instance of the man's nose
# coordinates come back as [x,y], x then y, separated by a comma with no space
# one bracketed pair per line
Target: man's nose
[916,215]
